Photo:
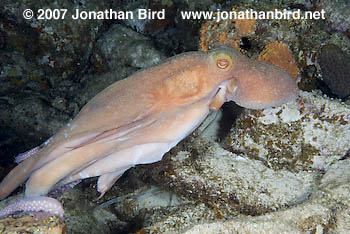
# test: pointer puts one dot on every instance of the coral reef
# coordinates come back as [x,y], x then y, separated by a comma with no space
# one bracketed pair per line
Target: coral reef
[122,46]
[302,38]
[302,219]
[49,71]
[54,45]
[278,54]
[28,224]
[310,133]
[336,14]
[231,183]
[202,185]
[278,167]
[40,64]
[292,160]
[245,35]
[232,32]
[244,27]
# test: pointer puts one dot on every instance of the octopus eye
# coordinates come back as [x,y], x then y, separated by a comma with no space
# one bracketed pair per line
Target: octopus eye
[223,61]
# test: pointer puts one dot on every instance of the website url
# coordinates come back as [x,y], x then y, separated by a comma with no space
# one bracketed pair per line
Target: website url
[252,14]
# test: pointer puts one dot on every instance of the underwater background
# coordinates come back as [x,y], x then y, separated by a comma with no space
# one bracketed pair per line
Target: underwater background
[282,169]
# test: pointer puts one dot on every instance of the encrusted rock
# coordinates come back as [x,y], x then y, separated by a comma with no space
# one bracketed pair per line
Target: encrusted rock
[39,62]
[278,54]
[334,64]
[121,45]
[307,134]
[35,225]
[302,219]
[334,186]
[233,182]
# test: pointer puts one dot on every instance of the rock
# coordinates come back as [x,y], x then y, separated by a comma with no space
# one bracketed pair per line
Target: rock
[233,182]
[40,62]
[302,44]
[308,134]
[121,45]
[39,89]
[278,170]
[35,225]
[301,219]
[335,70]
[342,225]
[57,46]
[237,185]
[334,186]
[26,117]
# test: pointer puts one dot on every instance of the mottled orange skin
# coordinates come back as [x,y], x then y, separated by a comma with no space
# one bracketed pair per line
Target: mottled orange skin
[145,115]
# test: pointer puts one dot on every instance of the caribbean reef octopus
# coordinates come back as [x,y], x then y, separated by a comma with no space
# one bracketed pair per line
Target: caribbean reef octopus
[138,119]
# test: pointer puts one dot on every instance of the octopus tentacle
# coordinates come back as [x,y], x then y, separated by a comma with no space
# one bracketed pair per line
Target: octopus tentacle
[106,181]
[34,204]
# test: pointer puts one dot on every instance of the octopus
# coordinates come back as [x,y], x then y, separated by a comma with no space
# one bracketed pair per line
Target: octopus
[138,119]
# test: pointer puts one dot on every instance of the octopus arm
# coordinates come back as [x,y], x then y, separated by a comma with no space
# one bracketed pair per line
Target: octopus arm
[81,156]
